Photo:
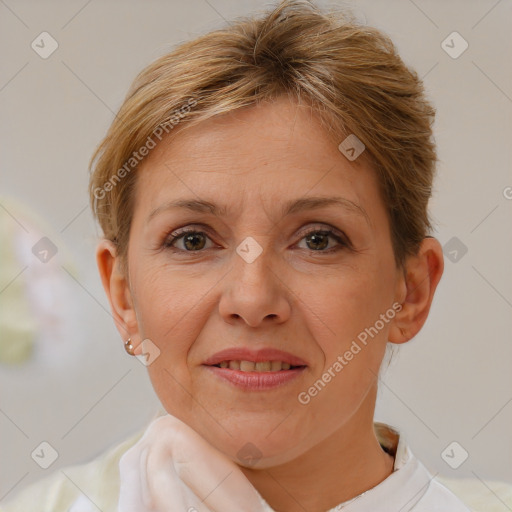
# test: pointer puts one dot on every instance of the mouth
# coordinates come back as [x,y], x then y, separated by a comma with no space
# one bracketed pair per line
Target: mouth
[257,366]
[249,360]
[260,370]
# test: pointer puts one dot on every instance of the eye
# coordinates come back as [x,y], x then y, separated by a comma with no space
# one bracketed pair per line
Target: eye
[318,239]
[193,240]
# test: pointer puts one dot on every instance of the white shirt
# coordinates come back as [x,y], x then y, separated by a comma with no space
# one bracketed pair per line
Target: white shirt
[409,488]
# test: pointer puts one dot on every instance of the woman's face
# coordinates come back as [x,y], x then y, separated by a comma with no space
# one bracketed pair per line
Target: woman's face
[260,274]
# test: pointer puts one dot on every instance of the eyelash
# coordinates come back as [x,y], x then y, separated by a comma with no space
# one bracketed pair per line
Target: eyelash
[176,235]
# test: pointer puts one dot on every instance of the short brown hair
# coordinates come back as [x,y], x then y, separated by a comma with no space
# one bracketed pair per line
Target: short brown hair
[349,73]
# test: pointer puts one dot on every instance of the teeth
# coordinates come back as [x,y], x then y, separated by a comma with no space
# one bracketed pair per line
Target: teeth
[251,366]
[247,366]
[275,366]
[263,366]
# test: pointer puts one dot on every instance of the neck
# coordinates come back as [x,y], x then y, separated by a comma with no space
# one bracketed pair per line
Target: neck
[346,464]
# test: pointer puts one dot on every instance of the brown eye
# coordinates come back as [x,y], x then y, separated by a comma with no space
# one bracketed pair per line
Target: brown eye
[318,240]
[192,241]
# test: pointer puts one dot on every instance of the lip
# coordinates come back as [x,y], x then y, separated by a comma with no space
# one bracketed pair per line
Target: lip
[246,354]
[256,381]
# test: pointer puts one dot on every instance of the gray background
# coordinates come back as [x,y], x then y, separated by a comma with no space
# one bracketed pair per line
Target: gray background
[82,393]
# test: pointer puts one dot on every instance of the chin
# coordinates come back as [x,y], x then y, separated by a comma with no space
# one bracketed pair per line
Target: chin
[254,447]
[265,438]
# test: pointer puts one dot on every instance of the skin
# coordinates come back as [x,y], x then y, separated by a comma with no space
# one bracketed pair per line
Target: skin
[294,297]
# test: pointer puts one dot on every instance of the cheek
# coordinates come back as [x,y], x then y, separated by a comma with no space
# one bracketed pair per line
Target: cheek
[167,305]
[351,329]
[165,293]
[351,302]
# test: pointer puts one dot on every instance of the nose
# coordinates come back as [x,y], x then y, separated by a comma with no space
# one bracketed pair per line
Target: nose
[255,290]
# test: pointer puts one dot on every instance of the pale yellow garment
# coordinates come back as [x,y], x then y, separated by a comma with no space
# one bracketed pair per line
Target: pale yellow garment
[99,482]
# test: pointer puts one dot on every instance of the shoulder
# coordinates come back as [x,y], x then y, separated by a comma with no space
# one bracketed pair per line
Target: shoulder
[438,498]
[79,488]
[438,493]
[480,496]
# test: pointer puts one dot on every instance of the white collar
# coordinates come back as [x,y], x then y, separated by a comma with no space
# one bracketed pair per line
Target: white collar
[403,488]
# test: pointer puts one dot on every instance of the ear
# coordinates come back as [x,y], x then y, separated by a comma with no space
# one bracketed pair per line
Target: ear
[415,290]
[117,288]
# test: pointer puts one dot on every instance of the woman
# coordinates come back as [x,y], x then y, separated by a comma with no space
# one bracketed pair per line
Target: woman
[263,196]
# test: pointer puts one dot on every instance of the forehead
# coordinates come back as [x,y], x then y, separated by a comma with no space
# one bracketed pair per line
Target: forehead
[271,153]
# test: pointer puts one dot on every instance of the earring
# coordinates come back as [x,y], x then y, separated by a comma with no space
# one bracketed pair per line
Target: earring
[129,347]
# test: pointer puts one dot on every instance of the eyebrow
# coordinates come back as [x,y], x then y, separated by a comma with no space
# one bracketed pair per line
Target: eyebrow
[289,208]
